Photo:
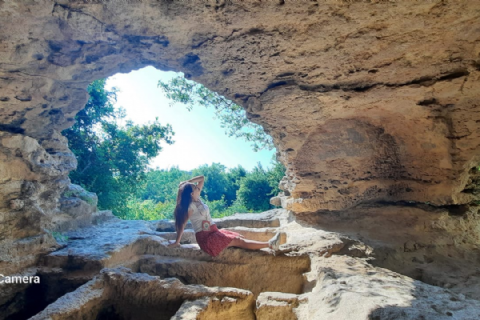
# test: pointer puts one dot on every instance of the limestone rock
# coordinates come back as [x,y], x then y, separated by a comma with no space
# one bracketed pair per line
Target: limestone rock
[276,201]
[77,207]
[276,305]
[370,105]
[133,274]
[119,292]
[359,104]
[365,102]
[265,219]
[102,216]
[76,191]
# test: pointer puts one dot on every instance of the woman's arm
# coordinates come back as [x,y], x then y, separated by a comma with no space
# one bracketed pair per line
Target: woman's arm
[179,237]
[180,232]
[196,179]
[199,179]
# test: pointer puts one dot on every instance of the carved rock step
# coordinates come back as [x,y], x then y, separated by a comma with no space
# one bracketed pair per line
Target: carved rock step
[346,288]
[118,242]
[253,271]
[120,294]
[316,279]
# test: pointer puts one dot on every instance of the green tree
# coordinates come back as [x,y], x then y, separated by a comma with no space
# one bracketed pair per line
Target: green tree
[216,182]
[112,159]
[149,210]
[162,185]
[254,191]
[234,176]
[259,186]
[232,116]
[274,176]
[156,200]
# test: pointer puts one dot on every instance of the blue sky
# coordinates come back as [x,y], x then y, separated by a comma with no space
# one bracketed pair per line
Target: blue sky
[199,139]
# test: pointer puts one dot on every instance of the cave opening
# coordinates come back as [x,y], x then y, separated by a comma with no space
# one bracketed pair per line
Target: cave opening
[79,200]
[373,106]
[135,140]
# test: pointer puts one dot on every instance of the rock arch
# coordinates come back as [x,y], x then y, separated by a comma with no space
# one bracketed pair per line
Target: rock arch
[366,101]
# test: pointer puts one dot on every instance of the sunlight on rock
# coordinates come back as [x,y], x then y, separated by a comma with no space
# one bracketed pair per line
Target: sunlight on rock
[373,110]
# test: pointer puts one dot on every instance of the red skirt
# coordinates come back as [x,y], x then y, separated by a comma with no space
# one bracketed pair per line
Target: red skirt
[214,241]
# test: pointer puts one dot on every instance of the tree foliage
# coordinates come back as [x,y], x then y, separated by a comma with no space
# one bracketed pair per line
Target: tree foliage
[162,185]
[112,159]
[220,183]
[232,116]
[259,186]
[226,191]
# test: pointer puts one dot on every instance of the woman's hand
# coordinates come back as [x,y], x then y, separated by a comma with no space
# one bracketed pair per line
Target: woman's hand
[174,244]
[193,180]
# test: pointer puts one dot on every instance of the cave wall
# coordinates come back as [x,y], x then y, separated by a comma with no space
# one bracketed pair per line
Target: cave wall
[367,101]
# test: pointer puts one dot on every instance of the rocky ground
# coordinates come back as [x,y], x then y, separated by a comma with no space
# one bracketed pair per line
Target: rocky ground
[120,269]
[372,106]
[366,101]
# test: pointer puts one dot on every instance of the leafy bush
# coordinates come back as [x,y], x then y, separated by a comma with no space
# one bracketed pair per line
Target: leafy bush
[219,208]
[149,210]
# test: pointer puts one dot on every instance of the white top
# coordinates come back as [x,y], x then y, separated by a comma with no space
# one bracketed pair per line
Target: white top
[200,213]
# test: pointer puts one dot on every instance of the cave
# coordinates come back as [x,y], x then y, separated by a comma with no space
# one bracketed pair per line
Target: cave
[372,106]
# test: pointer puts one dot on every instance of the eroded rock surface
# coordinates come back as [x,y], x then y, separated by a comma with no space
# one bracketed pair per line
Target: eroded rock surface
[77,207]
[119,293]
[434,245]
[366,101]
[373,107]
[315,275]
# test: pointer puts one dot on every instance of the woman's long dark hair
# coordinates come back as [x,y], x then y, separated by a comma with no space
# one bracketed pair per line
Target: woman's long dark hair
[181,209]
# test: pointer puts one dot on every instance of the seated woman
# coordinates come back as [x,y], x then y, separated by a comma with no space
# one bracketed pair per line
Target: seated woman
[209,237]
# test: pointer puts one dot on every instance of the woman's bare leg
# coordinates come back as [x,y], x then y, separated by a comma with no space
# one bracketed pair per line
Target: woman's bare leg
[248,244]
